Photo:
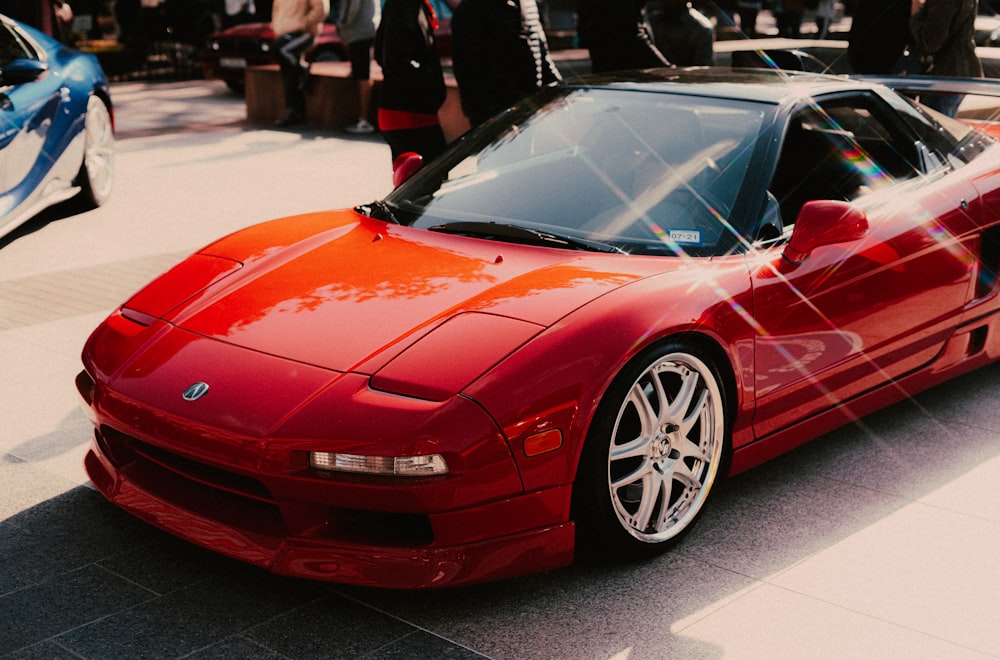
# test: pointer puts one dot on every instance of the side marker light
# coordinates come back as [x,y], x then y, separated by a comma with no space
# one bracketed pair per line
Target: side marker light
[542,443]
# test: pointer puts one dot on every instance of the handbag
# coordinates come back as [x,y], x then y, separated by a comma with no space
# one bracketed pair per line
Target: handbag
[909,63]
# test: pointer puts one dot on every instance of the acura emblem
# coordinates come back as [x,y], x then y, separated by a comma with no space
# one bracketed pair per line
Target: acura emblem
[196,391]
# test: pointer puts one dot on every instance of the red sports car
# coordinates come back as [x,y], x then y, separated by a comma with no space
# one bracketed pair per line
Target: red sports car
[560,334]
[227,54]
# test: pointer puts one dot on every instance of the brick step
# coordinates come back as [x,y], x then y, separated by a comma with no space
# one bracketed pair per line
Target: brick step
[332,97]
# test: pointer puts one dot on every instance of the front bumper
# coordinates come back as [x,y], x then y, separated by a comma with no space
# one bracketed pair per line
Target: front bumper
[256,531]
[347,549]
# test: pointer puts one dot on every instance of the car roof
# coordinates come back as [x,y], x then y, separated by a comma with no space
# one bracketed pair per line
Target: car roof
[762,85]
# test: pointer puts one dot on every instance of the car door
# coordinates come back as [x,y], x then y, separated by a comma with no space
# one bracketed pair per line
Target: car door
[853,315]
[28,108]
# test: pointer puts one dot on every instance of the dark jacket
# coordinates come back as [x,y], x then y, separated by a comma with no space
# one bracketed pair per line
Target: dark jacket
[945,30]
[684,35]
[412,79]
[616,36]
[498,57]
[879,34]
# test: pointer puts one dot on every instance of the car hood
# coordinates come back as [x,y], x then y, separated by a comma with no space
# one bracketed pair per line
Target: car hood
[349,293]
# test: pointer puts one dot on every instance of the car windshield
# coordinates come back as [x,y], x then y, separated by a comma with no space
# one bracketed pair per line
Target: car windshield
[604,169]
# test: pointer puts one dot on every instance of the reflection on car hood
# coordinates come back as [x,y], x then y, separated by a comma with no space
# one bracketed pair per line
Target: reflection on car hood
[355,293]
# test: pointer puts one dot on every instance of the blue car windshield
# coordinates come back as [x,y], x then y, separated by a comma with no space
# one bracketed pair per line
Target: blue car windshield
[638,172]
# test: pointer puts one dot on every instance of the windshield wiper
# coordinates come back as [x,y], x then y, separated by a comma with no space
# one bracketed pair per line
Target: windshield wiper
[523,235]
[378,210]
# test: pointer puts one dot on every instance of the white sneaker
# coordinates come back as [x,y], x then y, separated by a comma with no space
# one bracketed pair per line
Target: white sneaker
[359,127]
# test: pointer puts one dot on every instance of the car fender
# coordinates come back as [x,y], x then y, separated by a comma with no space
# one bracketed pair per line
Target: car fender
[545,395]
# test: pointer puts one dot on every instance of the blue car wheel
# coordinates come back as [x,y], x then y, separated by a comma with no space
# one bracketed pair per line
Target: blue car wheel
[97,173]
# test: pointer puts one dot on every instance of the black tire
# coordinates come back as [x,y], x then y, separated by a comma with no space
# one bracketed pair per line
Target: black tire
[654,451]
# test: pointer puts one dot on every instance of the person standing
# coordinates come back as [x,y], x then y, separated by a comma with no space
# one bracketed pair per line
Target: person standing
[545,71]
[879,34]
[826,11]
[357,24]
[683,34]
[942,33]
[615,33]
[748,11]
[724,12]
[412,89]
[127,14]
[296,24]
[499,55]
[788,17]
[237,12]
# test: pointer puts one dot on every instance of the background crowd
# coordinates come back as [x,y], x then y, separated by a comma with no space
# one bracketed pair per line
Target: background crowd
[500,51]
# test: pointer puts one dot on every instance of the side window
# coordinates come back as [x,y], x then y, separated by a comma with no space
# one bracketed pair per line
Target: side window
[839,150]
[12,47]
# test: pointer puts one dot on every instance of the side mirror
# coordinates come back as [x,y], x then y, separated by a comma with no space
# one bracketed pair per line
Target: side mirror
[824,222]
[22,71]
[405,166]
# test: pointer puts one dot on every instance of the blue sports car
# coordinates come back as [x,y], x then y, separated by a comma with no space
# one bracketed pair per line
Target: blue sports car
[56,125]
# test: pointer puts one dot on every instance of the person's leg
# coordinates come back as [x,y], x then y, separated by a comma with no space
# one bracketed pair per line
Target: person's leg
[360,54]
[946,104]
[288,52]
[397,143]
[795,24]
[748,21]
[427,141]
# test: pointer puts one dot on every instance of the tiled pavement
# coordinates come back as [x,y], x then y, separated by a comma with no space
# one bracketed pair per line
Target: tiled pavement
[877,541]
[37,299]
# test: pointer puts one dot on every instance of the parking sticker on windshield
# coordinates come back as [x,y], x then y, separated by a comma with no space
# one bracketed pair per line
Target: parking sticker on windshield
[688,236]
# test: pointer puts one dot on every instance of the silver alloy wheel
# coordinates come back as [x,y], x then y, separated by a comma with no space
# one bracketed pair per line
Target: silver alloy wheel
[98,159]
[666,447]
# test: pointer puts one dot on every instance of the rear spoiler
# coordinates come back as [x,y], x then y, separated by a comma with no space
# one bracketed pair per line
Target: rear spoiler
[937,85]
[982,95]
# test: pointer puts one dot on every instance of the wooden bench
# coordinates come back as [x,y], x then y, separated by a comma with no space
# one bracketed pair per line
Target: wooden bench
[332,97]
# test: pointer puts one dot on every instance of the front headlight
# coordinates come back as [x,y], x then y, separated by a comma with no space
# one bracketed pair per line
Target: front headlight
[386,466]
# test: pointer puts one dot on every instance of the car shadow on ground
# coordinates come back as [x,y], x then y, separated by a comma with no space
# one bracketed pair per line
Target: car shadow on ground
[62,211]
